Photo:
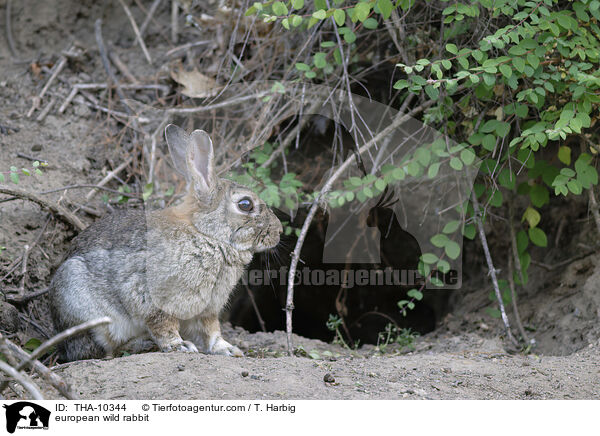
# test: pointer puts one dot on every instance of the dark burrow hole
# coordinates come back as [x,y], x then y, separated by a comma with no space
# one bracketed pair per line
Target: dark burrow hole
[365,309]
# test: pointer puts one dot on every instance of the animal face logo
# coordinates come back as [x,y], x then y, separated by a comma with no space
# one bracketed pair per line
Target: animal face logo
[26,415]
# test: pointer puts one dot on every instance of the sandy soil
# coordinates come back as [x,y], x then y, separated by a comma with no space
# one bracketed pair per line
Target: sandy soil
[454,367]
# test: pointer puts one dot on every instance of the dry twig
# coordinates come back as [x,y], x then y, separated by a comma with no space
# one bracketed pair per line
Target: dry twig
[490,263]
[54,380]
[136,30]
[57,209]
[23,380]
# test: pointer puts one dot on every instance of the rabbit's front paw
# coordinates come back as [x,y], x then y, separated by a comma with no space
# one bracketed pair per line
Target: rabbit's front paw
[186,346]
[221,346]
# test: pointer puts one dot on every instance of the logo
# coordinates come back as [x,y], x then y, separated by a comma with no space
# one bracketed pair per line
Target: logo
[26,415]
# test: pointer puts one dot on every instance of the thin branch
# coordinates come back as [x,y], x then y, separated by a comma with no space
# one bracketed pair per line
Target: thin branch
[26,297]
[57,209]
[514,254]
[255,306]
[511,284]
[136,30]
[106,64]
[108,178]
[149,16]
[208,108]
[594,207]
[62,336]
[9,37]
[490,263]
[23,380]
[54,380]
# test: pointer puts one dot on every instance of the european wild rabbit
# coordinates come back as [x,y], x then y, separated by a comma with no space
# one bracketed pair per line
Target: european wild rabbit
[168,273]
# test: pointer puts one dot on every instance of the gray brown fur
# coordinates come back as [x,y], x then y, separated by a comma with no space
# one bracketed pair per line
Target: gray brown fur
[164,274]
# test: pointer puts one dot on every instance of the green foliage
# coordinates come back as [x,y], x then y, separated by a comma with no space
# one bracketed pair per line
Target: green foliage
[516,97]
[403,338]
[32,344]
[14,173]
[334,324]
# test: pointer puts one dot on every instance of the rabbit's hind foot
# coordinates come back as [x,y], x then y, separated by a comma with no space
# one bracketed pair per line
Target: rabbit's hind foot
[221,346]
[181,345]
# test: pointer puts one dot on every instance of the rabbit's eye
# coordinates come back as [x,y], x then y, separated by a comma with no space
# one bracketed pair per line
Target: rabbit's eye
[245,205]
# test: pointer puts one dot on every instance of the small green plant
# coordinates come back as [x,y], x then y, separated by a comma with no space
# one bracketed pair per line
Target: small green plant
[394,335]
[333,324]
[14,173]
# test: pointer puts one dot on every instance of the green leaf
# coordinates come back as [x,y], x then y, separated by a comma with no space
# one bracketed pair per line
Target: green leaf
[433,170]
[538,237]
[574,186]
[380,184]
[416,294]
[362,10]
[423,155]
[429,258]
[539,196]
[469,231]
[279,8]
[564,154]
[32,344]
[467,156]
[320,14]
[519,64]
[452,250]
[496,198]
[532,216]
[456,164]
[385,7]
[401,84]
[439,241]
[489,142]
[522,241]
[443,266]
[319,60]
[451,48]
[432,92]
[349,37]
[507,179]
[533,60]
[147,192]
[297,4]
[339,15]
[505,70]
[451,227]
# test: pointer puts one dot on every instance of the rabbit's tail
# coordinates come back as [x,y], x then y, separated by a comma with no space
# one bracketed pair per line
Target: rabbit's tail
[81,347]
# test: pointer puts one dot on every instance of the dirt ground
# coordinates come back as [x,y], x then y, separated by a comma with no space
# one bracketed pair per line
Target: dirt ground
[464,358]
[449,367]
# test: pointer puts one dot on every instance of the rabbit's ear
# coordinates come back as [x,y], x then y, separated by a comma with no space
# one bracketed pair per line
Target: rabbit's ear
[178,142]
[200,162]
